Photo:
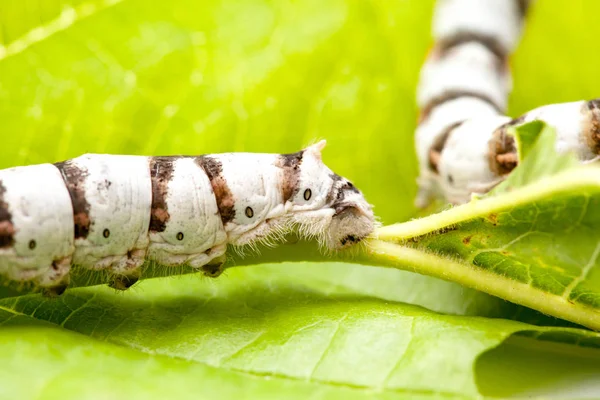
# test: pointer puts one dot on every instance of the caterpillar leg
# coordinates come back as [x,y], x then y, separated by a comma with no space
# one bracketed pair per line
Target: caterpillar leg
[56,279]
[214,268]
[124,282]
[127,271]
[57,290]
[211,261]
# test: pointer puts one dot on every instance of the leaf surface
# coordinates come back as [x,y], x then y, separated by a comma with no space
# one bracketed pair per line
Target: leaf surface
[261,321]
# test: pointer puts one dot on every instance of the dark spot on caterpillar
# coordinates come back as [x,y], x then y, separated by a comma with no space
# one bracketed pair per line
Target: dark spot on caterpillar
[489,42]
[307,194]
[349,187]
[467,239]
[123,282]
[7,230]
[249,212]
[503,156]
[223,195]
[104,185]
[349,239]
[106,233]
[180,236]
[450,95]
[438,145]
[74,178]
[32,244]
[290,163]
[592,129]
[161,173]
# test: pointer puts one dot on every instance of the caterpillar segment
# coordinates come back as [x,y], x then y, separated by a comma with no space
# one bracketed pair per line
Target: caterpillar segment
[107,212]
[499,22]
[36,226]
[183,226]
[463,164]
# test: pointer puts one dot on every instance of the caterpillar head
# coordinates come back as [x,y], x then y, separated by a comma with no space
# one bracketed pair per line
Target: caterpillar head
[325,205]
[263,195]
[463,163]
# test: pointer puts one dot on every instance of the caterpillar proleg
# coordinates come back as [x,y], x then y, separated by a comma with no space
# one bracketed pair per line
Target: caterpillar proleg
[113,212]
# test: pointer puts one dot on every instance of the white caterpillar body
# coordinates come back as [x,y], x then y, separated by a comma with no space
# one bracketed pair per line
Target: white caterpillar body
[432,133]
[464,161]
[469,69]
[461,140]
[111,197]
[106,212]
[577,126]
[183,228]
[41,207]
[497,21]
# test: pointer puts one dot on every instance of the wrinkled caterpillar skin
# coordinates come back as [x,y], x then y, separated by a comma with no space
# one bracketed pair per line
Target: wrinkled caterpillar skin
[112,212]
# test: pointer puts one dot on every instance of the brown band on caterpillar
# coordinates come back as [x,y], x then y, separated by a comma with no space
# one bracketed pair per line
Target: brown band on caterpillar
[74,177]
[290,163]
[161,173]
[7,229]
[592,128]
[445,45]
[334,192]
[337,194]
[503,156]
[438,145]
[223,195]
[453,95]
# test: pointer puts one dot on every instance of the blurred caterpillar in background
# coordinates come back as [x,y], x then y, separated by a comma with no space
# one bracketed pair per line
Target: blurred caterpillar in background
[461,138]
[112,212]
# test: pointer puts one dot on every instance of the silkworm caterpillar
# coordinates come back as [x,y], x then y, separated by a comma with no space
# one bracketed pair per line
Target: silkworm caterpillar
[461,138]
[112,212]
